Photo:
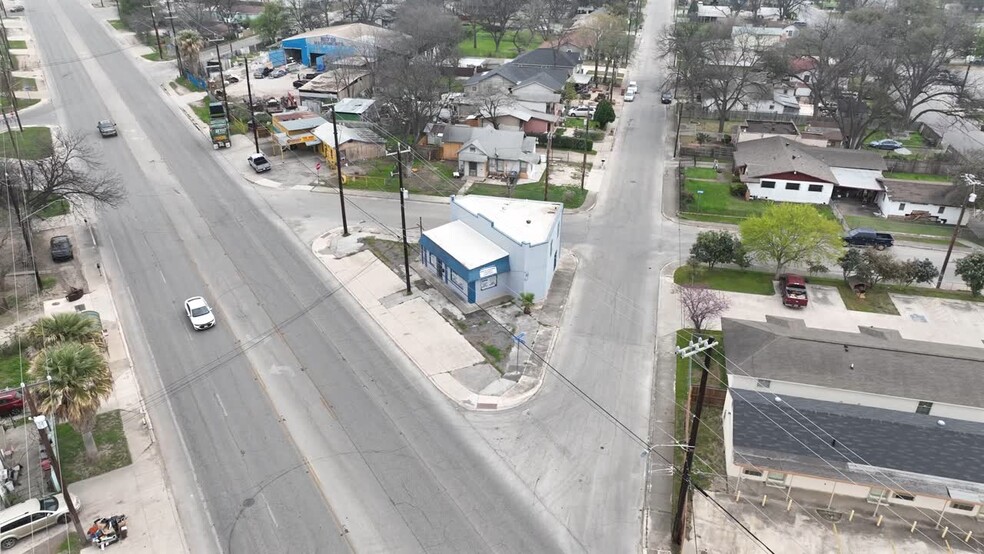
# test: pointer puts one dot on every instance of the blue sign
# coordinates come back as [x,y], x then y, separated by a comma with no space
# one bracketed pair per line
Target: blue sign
[277,57]
[520,338]
[319,63]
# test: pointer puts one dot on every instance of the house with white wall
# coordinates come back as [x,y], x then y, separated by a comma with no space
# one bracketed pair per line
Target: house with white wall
[780,169]
[495,247]
[867,415]
[924,200]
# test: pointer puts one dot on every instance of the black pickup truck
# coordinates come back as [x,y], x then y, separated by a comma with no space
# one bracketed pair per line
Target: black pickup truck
[868,237]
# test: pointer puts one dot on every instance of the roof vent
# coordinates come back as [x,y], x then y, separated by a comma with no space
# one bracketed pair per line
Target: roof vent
[940,422]
[528,221]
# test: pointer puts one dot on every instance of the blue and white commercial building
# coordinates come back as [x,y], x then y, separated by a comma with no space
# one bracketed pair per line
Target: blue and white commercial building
[495,247]
[323,47]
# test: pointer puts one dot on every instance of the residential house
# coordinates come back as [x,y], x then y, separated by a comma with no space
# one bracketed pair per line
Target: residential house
[517,116]
[292,129]
[355,143]
[756,129]
[334,85]
[780,169]
[867,415]
[923,200]
[710,14]
[549,58]
[764,37]
[356,109]
[495,247]
[484,151]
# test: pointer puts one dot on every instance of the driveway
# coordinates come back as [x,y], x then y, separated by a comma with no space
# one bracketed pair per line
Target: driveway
[927,319]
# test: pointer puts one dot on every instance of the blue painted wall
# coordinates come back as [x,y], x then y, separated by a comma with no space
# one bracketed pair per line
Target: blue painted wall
[325,44]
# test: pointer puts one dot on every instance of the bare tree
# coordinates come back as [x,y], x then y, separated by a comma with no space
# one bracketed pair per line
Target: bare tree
[73,173]
[434,32]
[495,16]
[788,8]
[602,28]
[304,15]
[492,104]
[363,11]
[701,304]
[412,88]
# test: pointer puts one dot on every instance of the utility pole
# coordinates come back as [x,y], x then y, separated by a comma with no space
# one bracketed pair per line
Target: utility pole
[8,77]
[584,156]
[403,213]
[153,18]
[252,117]
[341,191]
[953,239]
[546,170]
[174,41]
[41,422]
[701,345]
[25,223]
[225,97]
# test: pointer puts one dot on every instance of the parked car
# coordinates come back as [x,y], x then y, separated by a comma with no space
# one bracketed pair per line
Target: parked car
[107,128]
[262,72]
[581,111]
[259,163]
[629,95]
[885,144]
[232,79]
[278,73]
[199,313]
[298,83]
[633,87]
[799,24]
[11,403]
[869,237]
[16,8]
[33,516]
[793,289]
[666,98]
[61,249]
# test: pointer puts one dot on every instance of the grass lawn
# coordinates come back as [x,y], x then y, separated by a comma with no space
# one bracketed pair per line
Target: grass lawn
[71,545]
[110,439]
[485,47]
[915,140]
[188,85]
[578,123]
[918,177]
[17,44]
[153,56]
[10,370]
[21,102]
[55,208]
[902,227]
[34,142]
[731,280]
[117,24]
[572,197]
[24,83]
[703,173]
[709,456]
[432,180]
[201,110]
[712,218]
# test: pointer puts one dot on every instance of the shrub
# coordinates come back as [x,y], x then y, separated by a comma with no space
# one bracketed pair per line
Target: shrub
[738,189]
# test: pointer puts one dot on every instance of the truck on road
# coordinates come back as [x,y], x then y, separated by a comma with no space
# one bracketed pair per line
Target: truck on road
[218,125]
[868,237]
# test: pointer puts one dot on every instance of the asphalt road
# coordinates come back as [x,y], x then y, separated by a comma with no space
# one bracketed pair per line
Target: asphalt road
[302,430]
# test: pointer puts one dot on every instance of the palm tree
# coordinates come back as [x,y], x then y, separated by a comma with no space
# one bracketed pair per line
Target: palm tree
[190,43]
[76,379]
[65,327]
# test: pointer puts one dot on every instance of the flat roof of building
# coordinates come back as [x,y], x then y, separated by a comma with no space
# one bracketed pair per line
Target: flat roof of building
[524,221]
[354,105]
[465,244]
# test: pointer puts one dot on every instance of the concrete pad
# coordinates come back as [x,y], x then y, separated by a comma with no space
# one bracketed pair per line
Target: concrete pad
[476,377]
[428,336]
[454,390]
[498,387]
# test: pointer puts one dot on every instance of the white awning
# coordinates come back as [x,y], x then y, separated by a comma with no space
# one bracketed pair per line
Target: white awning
[863,179]
[465,244]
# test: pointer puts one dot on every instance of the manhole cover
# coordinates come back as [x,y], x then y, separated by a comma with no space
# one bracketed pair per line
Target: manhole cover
[918,317]
[830,515]
[249,502]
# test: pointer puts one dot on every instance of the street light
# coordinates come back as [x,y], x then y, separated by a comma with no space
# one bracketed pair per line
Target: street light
[963,206]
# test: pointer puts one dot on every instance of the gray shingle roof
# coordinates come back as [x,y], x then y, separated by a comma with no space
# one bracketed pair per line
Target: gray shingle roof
[773,435]
[498,143]
[547,57]
[553,79]
[773,155]
[922,192]
[884,363]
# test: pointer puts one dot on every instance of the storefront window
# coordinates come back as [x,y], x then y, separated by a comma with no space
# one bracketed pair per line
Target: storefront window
[458,281]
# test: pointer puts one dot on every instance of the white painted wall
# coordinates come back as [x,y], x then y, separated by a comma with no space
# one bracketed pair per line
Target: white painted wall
[780,388]
[891,207]
[781,194]
[531,266]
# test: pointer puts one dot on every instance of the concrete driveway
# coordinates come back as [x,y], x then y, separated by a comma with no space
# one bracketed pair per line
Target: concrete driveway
[921,318]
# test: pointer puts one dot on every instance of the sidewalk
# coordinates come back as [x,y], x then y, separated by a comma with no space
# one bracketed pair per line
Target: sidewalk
[139,490]
[434,345]
[28,65]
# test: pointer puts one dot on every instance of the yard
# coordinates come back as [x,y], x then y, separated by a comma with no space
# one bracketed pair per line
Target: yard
[710,199]
[17,44]
[432,179]
[572,197]
[731,280]
[902,227]
[21,102]
[34,143]
[110,439]
[485,46]
[917,177]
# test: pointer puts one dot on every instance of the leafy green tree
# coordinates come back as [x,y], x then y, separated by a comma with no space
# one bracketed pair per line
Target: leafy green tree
[190,44]
[853,263]
[76,379]
[65,327]
[917,271]
[604,113]
[790,233]
[271,22]
[971,270]
[715,247]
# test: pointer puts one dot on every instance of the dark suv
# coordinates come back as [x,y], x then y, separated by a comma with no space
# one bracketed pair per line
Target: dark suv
[11,403]
[61,249]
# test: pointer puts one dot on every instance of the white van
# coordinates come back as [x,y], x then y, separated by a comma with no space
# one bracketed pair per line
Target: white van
[33,516]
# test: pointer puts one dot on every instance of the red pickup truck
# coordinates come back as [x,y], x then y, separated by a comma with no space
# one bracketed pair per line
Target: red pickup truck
[793,288]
